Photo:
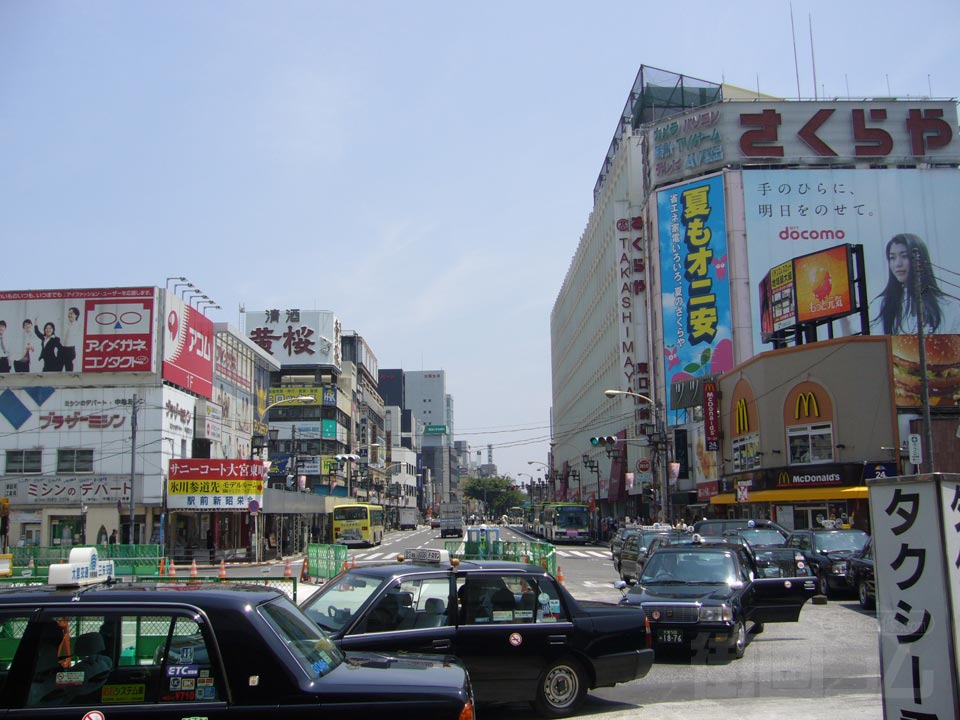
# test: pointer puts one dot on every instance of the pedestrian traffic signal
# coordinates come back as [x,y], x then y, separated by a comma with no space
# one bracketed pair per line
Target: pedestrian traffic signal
[603,441]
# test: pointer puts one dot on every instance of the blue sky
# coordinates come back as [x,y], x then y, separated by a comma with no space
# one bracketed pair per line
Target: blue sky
[423,169]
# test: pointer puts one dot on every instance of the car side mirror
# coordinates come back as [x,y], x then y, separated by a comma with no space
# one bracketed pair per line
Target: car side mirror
[737,584]
[619,584]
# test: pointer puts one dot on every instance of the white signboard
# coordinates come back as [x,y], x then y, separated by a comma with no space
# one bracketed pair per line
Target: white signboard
[294,337]
[916,555]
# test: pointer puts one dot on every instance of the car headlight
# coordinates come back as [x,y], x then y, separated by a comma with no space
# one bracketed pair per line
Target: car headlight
[715,613]
[840,568]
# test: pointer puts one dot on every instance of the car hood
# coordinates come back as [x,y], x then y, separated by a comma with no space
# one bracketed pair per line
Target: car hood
[684,593]
[837,554]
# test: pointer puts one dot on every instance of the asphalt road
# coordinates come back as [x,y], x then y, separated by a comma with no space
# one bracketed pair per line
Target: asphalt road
[827,664]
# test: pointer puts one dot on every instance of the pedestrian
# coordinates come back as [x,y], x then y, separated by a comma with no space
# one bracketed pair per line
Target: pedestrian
[113,537]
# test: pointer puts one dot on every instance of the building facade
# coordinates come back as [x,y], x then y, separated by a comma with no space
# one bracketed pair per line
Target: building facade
[725,225]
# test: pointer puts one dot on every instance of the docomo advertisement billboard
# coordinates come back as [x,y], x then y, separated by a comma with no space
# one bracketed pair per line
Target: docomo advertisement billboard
[296,337]
[897,215]
[208,484]
[804,132]
[95,330]
[187,347]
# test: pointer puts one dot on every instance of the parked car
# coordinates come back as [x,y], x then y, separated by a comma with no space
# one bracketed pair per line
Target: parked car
[137,650]
[860,577]
[765,536]
[629,562]
[718,526]
[519,632]
[703,597]
[616,542]
[828,551]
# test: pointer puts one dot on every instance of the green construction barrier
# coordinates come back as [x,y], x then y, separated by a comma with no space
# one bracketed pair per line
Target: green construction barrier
[534,553]
[325,561]
[127,559]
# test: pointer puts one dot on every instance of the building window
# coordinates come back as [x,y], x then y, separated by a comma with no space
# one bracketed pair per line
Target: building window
[74,461]
[23,461]
[746,452]
[810,444]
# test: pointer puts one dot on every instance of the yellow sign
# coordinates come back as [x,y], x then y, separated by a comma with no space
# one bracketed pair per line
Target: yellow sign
[742,424]
[215,487]
[807,401]
[123,693]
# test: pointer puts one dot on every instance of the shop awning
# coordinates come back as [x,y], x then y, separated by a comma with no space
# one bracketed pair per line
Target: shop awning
[858,492]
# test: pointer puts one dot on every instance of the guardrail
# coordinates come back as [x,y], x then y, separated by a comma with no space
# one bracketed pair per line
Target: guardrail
[325,561]
[127,559]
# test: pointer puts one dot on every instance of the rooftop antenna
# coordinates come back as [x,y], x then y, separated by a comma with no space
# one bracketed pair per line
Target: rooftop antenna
[796,66]
[813,60]
[929,86]
[846,81]
[887,76]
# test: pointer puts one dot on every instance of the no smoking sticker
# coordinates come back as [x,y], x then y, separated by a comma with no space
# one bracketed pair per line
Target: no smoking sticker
[516,639]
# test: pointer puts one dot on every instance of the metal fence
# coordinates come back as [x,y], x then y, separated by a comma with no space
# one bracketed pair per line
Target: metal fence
[127,559]
[287,584]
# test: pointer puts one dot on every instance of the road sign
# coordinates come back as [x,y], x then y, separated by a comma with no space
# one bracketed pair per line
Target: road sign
[643,465]
[253,507]
[435,430]
[743,493]
[916,450]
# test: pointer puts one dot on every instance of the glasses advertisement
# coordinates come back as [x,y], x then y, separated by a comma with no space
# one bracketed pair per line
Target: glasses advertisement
[97,330]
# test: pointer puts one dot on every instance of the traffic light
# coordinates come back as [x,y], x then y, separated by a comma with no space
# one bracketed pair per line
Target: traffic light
[603,441]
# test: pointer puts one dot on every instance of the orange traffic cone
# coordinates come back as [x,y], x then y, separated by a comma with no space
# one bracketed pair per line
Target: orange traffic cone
[173,569]
[163,567]
[287,572]
[560,575]
[193,569]
[223,571]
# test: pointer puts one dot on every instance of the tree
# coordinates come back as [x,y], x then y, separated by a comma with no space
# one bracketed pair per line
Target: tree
[498,494]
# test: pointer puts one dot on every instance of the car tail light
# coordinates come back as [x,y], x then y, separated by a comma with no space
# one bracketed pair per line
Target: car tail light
[646,626]
[467,712]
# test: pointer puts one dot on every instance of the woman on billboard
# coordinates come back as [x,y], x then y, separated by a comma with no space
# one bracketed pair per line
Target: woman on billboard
[898,313]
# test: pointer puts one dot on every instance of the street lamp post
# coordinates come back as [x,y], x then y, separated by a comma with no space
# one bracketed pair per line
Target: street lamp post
[660,446]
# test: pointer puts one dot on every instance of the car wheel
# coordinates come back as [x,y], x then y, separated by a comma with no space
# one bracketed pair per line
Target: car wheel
[561,689]
[740,640]
[824,585]
[866,602]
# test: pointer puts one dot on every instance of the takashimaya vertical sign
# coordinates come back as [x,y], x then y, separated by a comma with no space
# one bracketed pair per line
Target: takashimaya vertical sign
[916,536]
[693,273]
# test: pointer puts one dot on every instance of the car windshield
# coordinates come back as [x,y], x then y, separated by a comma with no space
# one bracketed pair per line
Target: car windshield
[310,647]
[334,605]
[689,567]
[762,536]
[842,540]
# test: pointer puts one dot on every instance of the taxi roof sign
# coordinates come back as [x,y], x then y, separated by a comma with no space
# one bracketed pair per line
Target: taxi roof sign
[83,567]
[427,555]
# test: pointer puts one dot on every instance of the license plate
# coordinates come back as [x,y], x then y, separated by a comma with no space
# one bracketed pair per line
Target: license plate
[670,636]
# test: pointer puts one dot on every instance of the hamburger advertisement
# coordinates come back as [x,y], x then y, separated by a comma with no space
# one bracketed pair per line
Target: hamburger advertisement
[943,369]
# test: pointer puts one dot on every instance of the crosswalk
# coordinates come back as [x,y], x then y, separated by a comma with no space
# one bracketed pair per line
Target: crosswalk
[584,554]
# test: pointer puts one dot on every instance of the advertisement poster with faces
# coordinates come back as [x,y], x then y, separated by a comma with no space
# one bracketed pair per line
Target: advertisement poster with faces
[905,222]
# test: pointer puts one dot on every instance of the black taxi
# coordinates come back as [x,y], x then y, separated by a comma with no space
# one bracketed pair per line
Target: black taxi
[704,596]
[520,633]
[87,647]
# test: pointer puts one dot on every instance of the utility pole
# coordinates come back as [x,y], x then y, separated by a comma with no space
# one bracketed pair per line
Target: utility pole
[921,346]
[133,466]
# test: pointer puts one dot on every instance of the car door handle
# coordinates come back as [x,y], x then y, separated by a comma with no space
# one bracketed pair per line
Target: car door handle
[441,645]
[557,639]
